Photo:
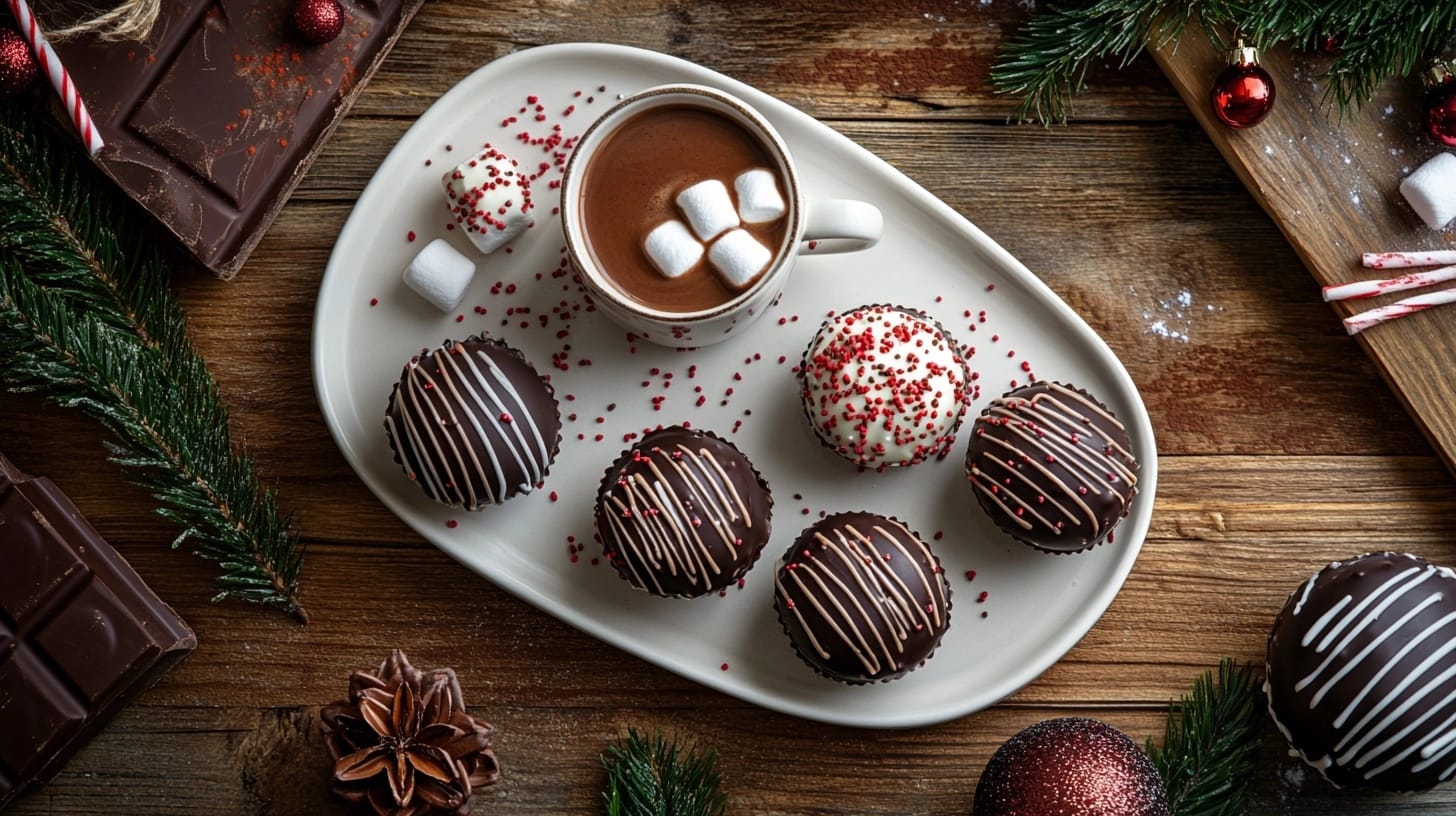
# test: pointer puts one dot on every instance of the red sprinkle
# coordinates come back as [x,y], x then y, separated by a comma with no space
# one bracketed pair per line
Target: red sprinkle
[452,524]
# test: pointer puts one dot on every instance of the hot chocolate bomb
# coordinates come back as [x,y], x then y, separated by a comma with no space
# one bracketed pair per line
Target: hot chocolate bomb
[1361,672]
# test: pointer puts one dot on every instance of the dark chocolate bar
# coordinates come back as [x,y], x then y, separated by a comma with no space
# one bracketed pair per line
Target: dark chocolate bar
[80,634]
[213,121]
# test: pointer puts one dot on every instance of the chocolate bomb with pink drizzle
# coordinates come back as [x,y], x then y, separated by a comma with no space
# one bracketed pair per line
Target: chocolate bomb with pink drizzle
[862,598]
[1052,467]
[1361,672]
[683,513]
[473,423]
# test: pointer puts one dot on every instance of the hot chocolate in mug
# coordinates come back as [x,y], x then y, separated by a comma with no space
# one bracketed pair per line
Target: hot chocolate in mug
[717,179]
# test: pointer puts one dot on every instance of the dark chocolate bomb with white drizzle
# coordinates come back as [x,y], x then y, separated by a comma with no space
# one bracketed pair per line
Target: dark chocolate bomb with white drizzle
[1052,467]
[683,513]
[862,598]
[473,423]
[1361,672]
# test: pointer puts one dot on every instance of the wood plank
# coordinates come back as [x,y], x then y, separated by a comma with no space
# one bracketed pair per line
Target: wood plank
[166,760]
[1332,187]
[872,60]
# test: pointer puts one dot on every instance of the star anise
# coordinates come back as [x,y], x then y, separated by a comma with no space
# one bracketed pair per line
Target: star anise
[404,745]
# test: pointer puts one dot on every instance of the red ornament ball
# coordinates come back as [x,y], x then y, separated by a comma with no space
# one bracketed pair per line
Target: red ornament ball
[18,68]
[318,21]
[1441,112]
[1242,95]
[1070,766]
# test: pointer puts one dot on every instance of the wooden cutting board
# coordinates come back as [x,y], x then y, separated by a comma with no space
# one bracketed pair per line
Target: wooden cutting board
[1332,186]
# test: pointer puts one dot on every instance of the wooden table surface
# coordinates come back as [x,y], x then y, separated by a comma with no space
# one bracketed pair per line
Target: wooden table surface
[1281,449]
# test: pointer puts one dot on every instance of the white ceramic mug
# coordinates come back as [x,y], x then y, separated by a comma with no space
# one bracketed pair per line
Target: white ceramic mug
[817,226]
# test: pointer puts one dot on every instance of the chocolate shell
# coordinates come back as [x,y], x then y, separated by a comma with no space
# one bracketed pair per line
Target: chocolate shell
[862,598]
[1361,672]
[683,513]
[1052,467]
[884,386]
[473,423]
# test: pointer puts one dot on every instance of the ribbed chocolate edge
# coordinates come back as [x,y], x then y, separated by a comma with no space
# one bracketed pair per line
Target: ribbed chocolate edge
[484,337]
[955,427]
[605,487]
[981,502]
[869,681]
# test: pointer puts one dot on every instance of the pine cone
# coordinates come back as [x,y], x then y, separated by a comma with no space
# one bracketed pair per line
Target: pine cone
[404,745]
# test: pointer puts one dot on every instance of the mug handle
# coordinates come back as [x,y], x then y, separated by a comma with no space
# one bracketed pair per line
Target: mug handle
[840,225]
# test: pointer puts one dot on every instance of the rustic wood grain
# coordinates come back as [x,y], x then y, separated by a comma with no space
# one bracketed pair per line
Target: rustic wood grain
[1282,449]
[1333,188]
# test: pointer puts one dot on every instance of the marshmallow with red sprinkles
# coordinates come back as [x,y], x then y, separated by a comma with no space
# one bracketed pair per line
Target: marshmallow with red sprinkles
[1052,467]
[862,598]
[490,199]
[884,386]
[472,423]
[683,513]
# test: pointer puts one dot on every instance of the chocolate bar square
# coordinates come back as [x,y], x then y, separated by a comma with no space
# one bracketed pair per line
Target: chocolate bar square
[213,121]
[80,634]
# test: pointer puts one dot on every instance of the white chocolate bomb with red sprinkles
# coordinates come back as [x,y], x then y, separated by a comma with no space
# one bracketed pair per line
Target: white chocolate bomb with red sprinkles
[490,199]
[884,386]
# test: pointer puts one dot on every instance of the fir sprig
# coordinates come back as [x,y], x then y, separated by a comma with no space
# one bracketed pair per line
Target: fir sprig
[650,776]
[88,320]
[1211,743]
[1046,63]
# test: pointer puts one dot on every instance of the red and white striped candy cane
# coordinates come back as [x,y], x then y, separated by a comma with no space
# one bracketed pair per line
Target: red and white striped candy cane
[1402,260]
[1354,324]
[59,77]
[1372,288]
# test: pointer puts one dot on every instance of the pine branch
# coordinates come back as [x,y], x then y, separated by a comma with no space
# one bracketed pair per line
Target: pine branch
[1047,62]
[1211,743]
[654,777]
[88,320]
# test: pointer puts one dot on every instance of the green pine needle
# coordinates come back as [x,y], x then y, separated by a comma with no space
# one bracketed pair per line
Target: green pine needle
[1211,743]
[649,776]
[1046,63]
[88,320]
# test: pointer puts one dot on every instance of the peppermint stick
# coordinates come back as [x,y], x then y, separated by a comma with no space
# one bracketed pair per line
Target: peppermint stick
[1371,288]
[1354,324]
[58,75]
[1402,260]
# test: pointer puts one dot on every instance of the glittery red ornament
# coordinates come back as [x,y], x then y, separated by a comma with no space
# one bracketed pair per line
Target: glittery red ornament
[1070,765]
[318,21]
[1441,103]
[18,68]
[1244,93]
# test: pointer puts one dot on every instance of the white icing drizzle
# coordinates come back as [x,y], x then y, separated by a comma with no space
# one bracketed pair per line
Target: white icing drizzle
[456,428]
[1410,726]
[664,521]
[1057,425]
[854,591]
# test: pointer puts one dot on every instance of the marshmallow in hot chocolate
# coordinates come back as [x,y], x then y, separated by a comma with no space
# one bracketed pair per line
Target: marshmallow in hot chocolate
[490,199]
[759,200]
[739,258]
[708,208]
[672,249]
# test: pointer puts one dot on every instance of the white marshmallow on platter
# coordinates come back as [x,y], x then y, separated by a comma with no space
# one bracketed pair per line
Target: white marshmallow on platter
[739,258]
[1431,190]
[490,199]
[708,208]
[759,200]
[672,249]
[440,274]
